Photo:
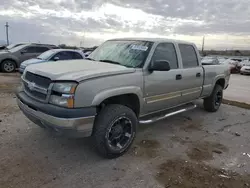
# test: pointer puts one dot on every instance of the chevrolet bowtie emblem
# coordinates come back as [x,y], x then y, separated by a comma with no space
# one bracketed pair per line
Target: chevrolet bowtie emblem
[31,85]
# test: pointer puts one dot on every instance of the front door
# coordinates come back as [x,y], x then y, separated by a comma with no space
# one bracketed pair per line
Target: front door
[163,88]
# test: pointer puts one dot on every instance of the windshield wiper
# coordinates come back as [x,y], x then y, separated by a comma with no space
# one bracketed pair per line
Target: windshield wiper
[88,58]
[110,61]
[39,58]
[115,62]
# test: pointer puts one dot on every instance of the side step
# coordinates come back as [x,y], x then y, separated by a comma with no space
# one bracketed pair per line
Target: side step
[165,114]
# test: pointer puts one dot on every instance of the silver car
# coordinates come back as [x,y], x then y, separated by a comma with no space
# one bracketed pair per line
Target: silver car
[245,70]
[52,56]
[210,61]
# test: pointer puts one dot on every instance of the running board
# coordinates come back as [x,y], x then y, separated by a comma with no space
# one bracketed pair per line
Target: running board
[180,110]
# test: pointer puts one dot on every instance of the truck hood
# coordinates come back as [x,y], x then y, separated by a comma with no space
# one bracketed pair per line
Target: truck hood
[32,61]
[77,70]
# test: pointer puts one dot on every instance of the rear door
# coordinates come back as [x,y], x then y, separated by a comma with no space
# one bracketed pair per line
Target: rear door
[40,50]
[63,55]
[76,55]
[162,88]
[192,73]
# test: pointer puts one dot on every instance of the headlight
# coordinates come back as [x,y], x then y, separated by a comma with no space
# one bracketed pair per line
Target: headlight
[63,94]
[64,101]
[65,88]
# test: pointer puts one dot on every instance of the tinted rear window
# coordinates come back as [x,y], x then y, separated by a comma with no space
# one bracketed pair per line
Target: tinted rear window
[189,56]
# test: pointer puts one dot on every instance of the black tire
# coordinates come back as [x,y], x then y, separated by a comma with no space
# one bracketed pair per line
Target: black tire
[213,102]
[106,124]
[8,66]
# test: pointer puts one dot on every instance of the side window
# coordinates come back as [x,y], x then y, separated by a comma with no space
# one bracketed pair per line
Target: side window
[63,55]
[41,49]
[166,51]
[30,49]
[76,55]
[189,56]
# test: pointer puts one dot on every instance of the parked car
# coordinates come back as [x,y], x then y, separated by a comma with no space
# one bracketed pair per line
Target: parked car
[210,61]
[245,69]
[122,83]
[11,59]
[245,62]
[19,44]
[53,55]
[12,46]
[221,59]
[2,47]
[87,53]
[232,65]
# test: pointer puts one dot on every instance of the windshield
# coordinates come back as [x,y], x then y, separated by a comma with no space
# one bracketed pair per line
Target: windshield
[15,49]
[46,55]
[126,53]
[12,46]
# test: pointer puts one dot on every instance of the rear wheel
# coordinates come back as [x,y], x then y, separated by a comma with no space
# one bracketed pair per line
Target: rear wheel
[115,129]
[8,66]
[213,102]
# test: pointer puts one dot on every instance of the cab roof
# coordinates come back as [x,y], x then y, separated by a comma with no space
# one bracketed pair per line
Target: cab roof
[156,40]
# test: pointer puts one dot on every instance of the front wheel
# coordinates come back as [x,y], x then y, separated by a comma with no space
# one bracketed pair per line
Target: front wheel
[8,66]
[114,130]
[213,102]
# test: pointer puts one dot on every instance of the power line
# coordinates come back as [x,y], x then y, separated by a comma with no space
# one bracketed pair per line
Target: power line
[7,32]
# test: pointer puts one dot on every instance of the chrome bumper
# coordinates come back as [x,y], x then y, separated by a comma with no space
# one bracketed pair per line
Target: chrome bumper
[71,127]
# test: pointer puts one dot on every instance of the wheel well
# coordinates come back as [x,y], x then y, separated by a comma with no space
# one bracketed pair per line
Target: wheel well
[10,60]
[129,100]
[221,82]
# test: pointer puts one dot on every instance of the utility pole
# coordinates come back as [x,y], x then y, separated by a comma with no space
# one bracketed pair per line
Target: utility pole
[7,32]
[203,43]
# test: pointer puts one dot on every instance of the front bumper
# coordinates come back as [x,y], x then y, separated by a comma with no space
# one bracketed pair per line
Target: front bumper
[70,125]
[21,70]
[245,71]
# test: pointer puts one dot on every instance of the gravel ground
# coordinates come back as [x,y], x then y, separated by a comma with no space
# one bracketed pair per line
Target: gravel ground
[194,149]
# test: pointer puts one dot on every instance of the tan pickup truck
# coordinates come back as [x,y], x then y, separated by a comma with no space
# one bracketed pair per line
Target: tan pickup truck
[124,82]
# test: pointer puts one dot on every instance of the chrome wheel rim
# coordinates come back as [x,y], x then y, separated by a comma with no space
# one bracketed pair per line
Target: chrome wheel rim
[120,133]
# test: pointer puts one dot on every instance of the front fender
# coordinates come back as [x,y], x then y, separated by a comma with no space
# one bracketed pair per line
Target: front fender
[9,57]
[105,94]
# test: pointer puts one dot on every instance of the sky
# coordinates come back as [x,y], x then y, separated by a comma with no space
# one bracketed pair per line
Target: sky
[224,23]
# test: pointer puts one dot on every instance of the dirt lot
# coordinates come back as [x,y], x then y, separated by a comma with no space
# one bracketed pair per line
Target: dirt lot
[193,150]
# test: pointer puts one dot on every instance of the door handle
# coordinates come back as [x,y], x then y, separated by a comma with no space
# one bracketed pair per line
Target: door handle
[198,74]
[178,77]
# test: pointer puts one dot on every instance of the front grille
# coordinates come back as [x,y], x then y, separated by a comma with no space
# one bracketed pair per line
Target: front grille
[35,94]
[36,86]
[38,80]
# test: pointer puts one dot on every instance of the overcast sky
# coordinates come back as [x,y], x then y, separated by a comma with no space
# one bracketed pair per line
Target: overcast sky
[225,23]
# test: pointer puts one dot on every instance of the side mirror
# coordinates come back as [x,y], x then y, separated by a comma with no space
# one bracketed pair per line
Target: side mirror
[159,65]
[56,58]
[23,51]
